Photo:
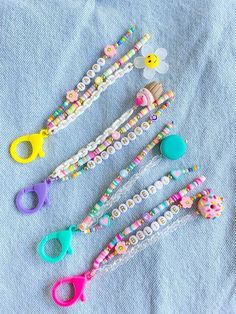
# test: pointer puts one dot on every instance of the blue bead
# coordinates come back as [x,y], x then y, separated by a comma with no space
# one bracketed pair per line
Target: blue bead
[124,173]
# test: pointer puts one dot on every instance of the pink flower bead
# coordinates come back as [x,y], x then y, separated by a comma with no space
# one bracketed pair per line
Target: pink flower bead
[186,202]
[121,247]
[110,51]
[71,95]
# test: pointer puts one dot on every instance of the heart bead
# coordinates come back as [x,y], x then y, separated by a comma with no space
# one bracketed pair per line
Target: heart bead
[105,221]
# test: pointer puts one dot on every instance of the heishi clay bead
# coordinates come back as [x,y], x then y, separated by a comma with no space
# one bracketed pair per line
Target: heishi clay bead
[211,206]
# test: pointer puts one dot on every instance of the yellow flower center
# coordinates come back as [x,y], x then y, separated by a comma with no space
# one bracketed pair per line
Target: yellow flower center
[151,61]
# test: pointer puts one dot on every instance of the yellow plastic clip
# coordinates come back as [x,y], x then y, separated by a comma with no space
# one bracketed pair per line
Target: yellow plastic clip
[36,141]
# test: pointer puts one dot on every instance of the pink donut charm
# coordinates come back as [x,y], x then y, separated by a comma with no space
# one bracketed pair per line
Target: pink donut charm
[211,206]
[144,98]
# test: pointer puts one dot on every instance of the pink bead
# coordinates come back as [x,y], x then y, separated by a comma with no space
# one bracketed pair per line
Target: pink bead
[91,155]
[110,51]
[116,135]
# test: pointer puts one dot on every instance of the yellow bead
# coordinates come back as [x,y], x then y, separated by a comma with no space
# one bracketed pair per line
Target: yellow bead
[98,80]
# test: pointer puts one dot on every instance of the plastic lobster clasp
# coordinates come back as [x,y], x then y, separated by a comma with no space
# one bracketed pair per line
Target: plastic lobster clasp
[36,141]
[78,282]
[41,190]
[65,239]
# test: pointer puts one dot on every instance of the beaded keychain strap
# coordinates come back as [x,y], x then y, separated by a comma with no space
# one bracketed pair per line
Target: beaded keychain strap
[75,105]
[65,237]
[120,250]
[78,164]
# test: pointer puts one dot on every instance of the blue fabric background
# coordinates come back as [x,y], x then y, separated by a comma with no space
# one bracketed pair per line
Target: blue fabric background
[45,48]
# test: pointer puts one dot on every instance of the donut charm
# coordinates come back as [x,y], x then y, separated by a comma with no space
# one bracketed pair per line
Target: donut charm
[211,206]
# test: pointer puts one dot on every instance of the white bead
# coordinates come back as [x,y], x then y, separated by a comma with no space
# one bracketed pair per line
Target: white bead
[138,130]
[147,231]
[91,73]
[123,208]
[81,86]
[158,185]
[133,240]
[130,203]
[162,220]
[111,150]
[86,80]
[145,126]
[91,164]
[101,61]
[131,136]
[84,152]
[152,189]
[96,67]
[117,145]
[91,146]
[144,194]
[165,180]
[155,226]
[98,160]
[140,235]
[168,215]
[137,198]
[125,141]
[174,209]
[115,213]
[104,155]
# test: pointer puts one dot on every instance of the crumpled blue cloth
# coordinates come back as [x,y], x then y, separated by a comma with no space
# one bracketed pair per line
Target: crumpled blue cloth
[46,47]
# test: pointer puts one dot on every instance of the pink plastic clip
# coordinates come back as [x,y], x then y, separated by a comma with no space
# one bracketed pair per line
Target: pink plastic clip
[78,282]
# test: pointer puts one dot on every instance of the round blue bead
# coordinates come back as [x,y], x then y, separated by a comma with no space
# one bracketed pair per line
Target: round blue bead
[124,173]
[173,147]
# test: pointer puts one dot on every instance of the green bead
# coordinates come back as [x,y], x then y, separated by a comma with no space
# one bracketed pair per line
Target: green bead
[173,147]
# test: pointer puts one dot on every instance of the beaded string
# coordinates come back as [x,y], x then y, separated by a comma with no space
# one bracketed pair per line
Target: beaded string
[145,193]
[150,234]
[72,95]
[54,121]
[122,175]
[118,242]
[103,151]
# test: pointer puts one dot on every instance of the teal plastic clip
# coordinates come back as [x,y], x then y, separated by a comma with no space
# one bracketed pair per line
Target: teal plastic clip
[65,239]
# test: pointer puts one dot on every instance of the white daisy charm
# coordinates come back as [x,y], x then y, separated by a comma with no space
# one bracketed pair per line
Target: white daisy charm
[152,62]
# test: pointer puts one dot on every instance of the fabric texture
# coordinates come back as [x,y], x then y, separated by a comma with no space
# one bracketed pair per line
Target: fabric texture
[46,47]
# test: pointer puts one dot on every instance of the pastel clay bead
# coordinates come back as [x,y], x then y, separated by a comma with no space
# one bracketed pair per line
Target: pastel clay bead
[173,147]
[210,206]
[110,51]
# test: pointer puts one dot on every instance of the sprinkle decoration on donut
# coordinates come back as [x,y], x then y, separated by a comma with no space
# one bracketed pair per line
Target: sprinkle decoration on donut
[211,206]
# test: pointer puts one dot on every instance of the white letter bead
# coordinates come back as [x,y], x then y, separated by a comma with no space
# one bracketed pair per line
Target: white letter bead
[98,160]
[144,194]
[86,80]
[158,185]
[115,213]
[91,164]
[162,220]
[117,145]
[91,73]
[152,189]
[168,215]
[140,235]
[96,67]
[123,208]
[138,130]
[81,86]
[133,240]
[145,126]
[147,231]
[174,209]
[130,203]
[111,150]
[125,141]
[137,198]
[165,180]
[101,61]
[104,155]
[131,136]
[155,226]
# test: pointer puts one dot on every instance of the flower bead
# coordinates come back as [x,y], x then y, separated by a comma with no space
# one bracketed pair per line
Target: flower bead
[186,202]
[152,62]
[121,247]
[71,95]
[110,51]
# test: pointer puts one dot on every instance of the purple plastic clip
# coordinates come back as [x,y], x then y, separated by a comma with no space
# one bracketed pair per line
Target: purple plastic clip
[41,190]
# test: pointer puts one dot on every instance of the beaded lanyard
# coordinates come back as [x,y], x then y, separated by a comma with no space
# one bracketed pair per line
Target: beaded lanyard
[99,150]
[76,104]
[120,250]
[65,236]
